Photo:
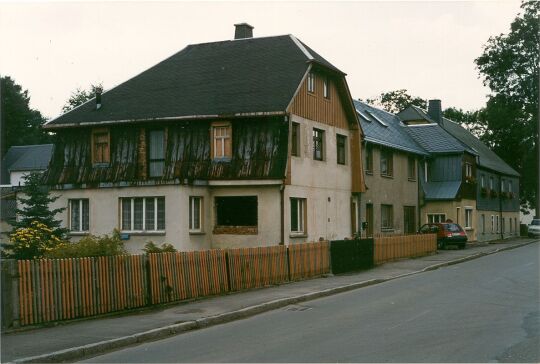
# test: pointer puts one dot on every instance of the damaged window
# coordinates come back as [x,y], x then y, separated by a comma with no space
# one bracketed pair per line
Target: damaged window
[236,211]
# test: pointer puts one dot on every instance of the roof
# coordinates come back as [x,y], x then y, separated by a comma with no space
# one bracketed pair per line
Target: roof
[414,113]
[227,78]
[441,190]
[435,139]
[486,157]
[25,158]
[391,132]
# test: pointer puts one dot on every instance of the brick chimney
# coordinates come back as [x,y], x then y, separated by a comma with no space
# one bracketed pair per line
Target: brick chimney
[435,110]
[243,30]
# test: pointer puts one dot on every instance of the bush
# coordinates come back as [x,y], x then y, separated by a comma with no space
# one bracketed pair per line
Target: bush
[31,242]
[151,247]
[90,246]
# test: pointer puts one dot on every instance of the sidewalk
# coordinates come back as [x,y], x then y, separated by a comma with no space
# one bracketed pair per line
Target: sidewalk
[76,339]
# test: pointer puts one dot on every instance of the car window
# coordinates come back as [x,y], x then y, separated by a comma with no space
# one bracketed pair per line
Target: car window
[424,229]
[434,228]
[452,227]
[535,222]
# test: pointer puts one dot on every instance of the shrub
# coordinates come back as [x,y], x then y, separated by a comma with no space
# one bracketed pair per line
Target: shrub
[90,246]
[31,242]
[151,247]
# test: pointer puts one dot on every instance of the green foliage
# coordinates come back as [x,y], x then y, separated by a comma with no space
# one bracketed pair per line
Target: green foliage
[21,125]
[509,67]
[35,207]
[395,101]
[90,246]
[151,247]
[80,96]
[31,242]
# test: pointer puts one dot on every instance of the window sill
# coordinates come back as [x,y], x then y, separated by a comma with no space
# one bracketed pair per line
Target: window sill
[298,235]
[79,233]
[235,230]
[100,165]
[387,230]
[369,173]
[221,159]
[143,233]
[318,160]
[411,179]
[387,176]
[197,233]
[468,228]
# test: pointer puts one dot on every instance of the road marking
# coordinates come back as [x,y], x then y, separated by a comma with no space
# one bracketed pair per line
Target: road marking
[410,319]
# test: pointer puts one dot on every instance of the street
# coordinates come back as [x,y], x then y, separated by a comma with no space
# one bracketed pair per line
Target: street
[482,310]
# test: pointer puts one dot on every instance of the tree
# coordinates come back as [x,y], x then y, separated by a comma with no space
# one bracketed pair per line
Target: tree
[21,125]
[468,119]
[395,101]
[509,67]
[80,96]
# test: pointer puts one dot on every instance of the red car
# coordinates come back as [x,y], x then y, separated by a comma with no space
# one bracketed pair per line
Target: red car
[447,234]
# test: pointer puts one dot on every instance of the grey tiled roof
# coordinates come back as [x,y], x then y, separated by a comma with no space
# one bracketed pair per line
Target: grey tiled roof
[393,134]
[435,139]
[441,190]
[252,75]
[25,158]
[487,158]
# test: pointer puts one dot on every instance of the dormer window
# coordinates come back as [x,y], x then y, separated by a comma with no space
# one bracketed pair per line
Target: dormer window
[311,82]
[221,140]
[101,141]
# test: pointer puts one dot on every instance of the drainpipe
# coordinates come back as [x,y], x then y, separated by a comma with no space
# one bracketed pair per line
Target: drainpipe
[282,212]
[501,226]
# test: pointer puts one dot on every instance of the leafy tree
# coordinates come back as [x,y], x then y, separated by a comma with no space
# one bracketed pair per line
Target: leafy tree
[395,101]
[21,125]
[80,96]
[509,67]
[468,119]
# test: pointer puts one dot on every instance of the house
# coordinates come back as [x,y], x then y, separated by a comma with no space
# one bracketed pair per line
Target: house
[18,162]
[391,160]
[463,180]
[245,142]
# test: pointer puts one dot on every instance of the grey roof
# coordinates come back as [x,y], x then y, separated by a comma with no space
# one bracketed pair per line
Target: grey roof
[435,139]
[25,158]
[487,158]
[251,75]
[392,134]
[441,190]
[414,113]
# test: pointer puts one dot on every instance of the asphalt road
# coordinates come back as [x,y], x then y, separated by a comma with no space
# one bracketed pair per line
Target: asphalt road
[484,310]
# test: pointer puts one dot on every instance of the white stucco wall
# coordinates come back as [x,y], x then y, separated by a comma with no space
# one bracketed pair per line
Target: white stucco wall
[17,178]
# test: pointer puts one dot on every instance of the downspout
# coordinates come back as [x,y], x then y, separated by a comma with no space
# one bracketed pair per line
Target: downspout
[501,226]
[282,212]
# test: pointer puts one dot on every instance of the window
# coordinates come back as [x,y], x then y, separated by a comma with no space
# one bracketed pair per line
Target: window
[369,158]
[468,170]
[497,223]
[516,225]
[482,181]
[510,189]
[222,140]
[511,227]
[298,216]
[483,223]
[341,143]
[236,211]
[311,82]
[426,172]
[503,223]
[502,185]
[468,218]
[411,168]
[79,215]
[387,217]
[458,213]
[195,214]
[433,218]
[143,214]
[491,183]
[318,144]
[492,223]
[326,90]
[386,162]
[101,141]
[156,152]
[295,139]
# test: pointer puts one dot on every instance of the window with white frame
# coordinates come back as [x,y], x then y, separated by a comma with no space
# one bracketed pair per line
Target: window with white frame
[341,145]
[298,216]
[492,223]
[387,217]
[79,215]
[434,218]
[326,91]
[482,181]
[195,213]
[142,214]
[468,217]
[502,185]
[222,140]
[295,139]
[468,170]
[490,183]
[318,144]
[311,82]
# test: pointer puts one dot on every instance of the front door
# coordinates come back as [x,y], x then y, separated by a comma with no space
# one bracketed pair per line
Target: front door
[409,220]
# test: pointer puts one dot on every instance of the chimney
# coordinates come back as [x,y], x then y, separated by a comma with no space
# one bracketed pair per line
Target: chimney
[435,110]
[98,97]
[243,30]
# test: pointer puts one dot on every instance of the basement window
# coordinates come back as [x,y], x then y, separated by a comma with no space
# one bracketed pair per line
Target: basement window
[236,215]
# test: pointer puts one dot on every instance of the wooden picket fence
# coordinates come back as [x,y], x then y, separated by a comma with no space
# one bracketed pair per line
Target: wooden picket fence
[183,275]
[60,289]
[309,260]
[388,248]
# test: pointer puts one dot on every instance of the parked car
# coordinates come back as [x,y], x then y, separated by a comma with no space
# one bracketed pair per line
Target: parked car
[533,230]
[447,234]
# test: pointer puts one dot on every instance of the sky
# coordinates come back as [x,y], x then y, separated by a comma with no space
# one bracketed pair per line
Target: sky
[426,47]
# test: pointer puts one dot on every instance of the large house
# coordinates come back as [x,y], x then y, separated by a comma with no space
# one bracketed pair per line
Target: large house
[251,141]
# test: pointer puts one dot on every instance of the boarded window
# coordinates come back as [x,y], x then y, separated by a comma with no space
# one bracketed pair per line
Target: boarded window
[236,211]
[142,214]
[341,144]
[369,158]
[195,214]
[295,139]
[318,144]
[156,152]
[101,146]
[298,215]
[79,215]
[387,217]
[411,168]
[221,140]
[387,162]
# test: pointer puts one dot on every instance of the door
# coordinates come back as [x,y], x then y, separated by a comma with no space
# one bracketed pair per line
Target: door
[369,219]
[409,219]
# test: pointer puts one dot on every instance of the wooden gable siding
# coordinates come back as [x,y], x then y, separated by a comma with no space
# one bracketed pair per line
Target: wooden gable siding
[259,151]
[315,106]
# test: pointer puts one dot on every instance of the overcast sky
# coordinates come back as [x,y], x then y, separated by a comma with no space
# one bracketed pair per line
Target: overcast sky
[425,47]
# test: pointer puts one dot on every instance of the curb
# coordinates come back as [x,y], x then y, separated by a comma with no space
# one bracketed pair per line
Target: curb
[174,329]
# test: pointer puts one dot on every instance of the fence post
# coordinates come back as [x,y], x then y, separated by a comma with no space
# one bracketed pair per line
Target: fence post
[148,278]
[10,294]
[228,270]
[288,264]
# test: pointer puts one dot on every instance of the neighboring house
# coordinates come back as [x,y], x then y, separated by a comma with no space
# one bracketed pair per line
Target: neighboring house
[18,161]
[247,142]
[391,160]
